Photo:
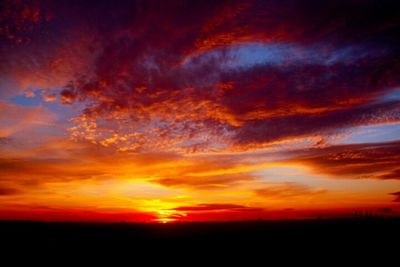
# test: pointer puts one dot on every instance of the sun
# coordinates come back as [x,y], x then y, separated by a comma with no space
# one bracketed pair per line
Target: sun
[167,216]
[165,220]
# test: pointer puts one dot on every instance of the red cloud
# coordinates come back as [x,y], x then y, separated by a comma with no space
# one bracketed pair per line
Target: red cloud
[18,19]
[397,196]
[6,191]
[128,62]
[141,81]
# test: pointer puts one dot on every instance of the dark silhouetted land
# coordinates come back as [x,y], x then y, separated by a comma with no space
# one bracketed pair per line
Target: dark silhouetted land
[348,234]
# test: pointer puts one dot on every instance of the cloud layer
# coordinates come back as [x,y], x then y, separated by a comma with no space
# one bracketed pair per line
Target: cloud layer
[170,75]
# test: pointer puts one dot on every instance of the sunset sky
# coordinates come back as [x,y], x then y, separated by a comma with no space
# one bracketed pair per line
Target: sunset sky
[159,111]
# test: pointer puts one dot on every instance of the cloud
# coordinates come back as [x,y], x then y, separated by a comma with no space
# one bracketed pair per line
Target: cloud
[294,21]
[255,106]
[219,212]
[49,97]
[211,207]
[396,195]
[15,118]
[32,166]
[67,96]
[183,86]
[357,161]
[5,140]
[142,84]
[40,50]
[286,191]
[32,173]
[18,19]
[8,191]
[281,128]
[207,182]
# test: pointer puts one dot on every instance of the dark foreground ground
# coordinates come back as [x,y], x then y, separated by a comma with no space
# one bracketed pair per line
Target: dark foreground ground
[263,237]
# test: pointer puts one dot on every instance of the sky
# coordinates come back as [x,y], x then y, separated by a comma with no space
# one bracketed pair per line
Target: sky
[162,111]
